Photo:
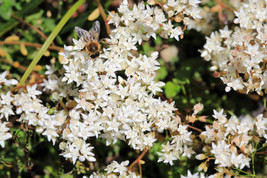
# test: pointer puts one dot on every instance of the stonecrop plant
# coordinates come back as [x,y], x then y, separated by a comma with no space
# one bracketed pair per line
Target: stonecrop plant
[116,98]
[240,54]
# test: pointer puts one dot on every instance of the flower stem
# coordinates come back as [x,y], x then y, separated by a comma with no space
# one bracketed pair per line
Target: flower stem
[103,14]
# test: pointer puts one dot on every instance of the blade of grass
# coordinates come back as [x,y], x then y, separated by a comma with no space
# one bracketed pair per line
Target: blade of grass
[51,37]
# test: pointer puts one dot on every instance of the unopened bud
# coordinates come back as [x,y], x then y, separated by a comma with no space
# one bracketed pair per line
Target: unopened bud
[201,157]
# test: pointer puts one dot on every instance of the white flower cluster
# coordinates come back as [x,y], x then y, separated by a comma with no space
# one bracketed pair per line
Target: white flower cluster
[181,145]
[4,133]
[231,140]
[116,170]
[143,22]
[29,107]
[112,96]
[116,90]
[5,108]
[212,17]
[195,175]
[33,112]
[240,55]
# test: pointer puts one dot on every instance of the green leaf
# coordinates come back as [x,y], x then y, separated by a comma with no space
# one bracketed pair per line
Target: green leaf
[182,81]
[158,40]
[6,10]
[17,6]
[174,60]
[35,16]
[8,57]
[51,110]
[171,89]
[68,175]
[147,48]
[48,25]
[49,169]
[162,73]
[5,27]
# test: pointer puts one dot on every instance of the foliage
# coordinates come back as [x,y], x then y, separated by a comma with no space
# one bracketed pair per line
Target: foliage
[33,34]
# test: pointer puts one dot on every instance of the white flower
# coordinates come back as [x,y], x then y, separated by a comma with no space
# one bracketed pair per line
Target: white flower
[3,77]
[240,161]
[197,108]
[220,116]
[155,87]
[79,44]
[233,52]
[5,81]
[167,158]
[149,139]
[115,167]
[222,153]
[246,124]
[32,92]
[176,32]
[196,175]
[6,99]
[194,2]
[231,125]
[6,109]
[261,124]
[209,133]
[4,134]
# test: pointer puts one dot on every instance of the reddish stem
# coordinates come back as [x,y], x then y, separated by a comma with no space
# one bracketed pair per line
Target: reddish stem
[130,168]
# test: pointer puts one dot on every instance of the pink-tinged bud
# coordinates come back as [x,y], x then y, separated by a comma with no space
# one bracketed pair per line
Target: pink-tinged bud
[201,157]
[151,2]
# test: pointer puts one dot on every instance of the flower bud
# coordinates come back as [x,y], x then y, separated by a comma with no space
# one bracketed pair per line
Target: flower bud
[201,157]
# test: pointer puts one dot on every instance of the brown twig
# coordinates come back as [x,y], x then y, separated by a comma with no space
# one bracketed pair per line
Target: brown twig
[23,86]
[261,153]
[63,106]
[36,45]
[159,5]
[130,168]
[226,6]
[9,164]
[16,65]
[67,121]
[194,128]
[31,26]
[103,14]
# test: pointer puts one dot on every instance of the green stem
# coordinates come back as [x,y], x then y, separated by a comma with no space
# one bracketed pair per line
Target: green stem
[260,148]
[253,165]
[209,121]
[51,37]
[244,172]
[252,160]
[231,113]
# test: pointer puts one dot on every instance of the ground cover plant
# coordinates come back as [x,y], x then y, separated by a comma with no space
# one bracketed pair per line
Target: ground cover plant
[124,88]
